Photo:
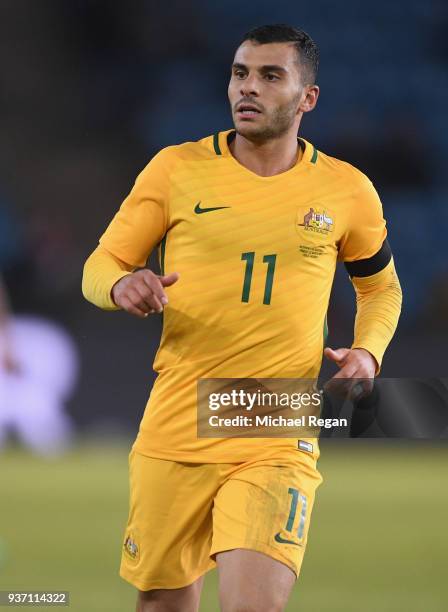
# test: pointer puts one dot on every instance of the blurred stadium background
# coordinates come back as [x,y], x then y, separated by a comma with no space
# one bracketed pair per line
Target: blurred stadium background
[90,91]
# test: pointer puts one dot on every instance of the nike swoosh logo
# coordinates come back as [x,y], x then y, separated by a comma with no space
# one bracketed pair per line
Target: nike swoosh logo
[198,210]
[278,538]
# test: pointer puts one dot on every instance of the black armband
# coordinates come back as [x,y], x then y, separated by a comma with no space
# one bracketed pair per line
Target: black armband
[372,265]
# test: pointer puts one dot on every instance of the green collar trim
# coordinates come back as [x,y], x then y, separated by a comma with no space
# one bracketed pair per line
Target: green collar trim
[216,144]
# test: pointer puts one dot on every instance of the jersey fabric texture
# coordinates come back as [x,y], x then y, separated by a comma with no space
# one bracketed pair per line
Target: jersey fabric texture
[256,258]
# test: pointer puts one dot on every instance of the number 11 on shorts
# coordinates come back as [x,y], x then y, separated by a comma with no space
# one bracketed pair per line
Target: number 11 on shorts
[296,497]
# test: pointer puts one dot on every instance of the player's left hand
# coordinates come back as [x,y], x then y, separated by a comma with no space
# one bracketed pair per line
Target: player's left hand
[355,377]
[353,363]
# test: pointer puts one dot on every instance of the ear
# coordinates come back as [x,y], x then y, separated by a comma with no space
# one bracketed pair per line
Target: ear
[309,98]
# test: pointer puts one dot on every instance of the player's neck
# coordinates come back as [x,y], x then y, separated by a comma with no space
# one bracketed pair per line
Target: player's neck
[268,158]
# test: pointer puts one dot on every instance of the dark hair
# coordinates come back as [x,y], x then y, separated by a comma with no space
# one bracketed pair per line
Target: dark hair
[307,49]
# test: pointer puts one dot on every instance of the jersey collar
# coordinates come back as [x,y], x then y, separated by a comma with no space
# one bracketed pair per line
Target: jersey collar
[221,147]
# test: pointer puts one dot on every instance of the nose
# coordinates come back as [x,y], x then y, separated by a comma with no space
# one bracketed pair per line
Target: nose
[249,87]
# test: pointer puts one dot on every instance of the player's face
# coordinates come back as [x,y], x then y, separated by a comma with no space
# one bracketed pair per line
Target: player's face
[266,90]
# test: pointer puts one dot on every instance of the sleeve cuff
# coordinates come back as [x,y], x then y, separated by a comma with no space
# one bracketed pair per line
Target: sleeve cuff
[373,348]
[109,304]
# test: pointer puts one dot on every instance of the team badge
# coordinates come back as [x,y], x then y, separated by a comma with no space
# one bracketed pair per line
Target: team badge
[131,548]
[315,219]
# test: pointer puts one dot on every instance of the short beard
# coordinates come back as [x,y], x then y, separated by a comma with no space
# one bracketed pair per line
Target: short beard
[281,120]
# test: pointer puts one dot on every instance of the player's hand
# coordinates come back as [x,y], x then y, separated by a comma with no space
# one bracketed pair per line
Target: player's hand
[356,373]
[142,293]
[353,363]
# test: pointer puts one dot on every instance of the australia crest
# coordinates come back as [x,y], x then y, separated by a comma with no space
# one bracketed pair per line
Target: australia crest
[315,219]
[131,547]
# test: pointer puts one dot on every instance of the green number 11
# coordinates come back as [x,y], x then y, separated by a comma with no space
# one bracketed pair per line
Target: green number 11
[249,259]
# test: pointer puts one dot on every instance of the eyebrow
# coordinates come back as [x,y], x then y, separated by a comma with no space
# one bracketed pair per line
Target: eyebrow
[265,68]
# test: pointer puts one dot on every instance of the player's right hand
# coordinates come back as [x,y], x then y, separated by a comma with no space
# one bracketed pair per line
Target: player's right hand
[142,293]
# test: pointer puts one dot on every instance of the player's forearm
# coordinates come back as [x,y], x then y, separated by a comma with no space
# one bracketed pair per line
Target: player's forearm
[101,271]
[378,301]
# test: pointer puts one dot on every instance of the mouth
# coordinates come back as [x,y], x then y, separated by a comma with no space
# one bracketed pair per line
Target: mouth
[247,111]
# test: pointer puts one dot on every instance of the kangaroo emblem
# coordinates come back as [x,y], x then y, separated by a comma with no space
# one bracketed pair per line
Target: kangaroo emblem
[308,217]
[315,221]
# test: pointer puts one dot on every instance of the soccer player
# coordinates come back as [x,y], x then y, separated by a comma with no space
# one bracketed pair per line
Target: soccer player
[249,224]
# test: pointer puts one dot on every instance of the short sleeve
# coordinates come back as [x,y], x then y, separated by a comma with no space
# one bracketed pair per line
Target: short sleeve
[142,220]
[366,227]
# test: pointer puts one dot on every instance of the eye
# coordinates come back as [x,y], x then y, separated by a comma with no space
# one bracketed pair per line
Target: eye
[240,74]
[271,77]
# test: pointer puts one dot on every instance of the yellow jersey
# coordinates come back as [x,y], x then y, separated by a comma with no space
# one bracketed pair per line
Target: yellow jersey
[256,258]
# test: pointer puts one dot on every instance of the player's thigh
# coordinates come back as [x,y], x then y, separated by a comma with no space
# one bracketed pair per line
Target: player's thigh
[250,580]
[166,600]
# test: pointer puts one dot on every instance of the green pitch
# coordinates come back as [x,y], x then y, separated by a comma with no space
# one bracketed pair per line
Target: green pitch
[378,540]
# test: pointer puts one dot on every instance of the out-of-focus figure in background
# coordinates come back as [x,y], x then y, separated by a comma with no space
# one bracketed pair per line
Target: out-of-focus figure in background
[38,371]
